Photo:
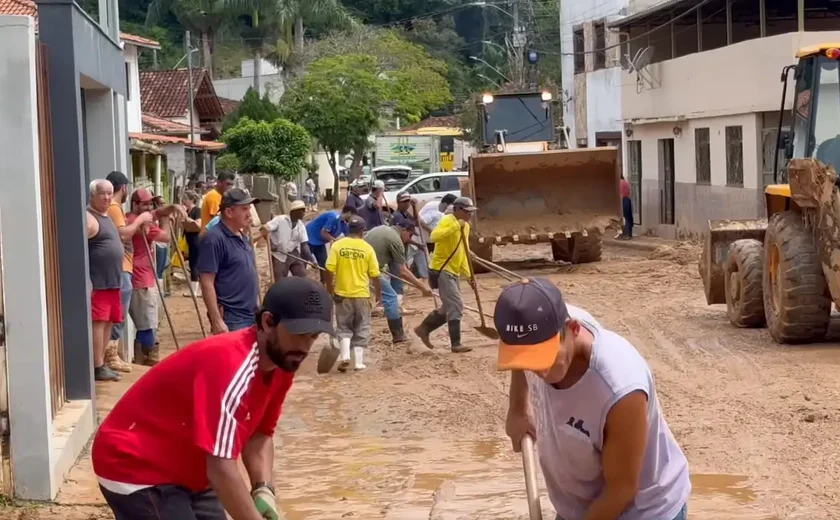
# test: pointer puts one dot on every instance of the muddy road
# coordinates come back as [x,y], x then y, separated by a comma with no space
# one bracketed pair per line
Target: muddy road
[422,436]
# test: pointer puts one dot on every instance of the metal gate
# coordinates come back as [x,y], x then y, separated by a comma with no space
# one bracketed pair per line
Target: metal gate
[666,181]
[51,275]
[634,168]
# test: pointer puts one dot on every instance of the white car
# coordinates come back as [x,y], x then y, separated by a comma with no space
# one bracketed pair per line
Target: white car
[429,186]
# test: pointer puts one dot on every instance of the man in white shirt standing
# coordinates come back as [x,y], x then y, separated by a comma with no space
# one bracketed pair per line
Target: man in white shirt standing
[590,400]
[287,234]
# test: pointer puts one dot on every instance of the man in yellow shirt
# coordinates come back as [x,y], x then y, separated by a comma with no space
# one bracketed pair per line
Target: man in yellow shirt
[213,199]
[351,268]
[449,261]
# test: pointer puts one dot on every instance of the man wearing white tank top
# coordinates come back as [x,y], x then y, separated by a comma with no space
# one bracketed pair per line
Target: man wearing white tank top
[589,399]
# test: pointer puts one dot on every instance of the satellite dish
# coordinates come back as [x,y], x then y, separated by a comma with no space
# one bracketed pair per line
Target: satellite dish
[624,63]
[643,58]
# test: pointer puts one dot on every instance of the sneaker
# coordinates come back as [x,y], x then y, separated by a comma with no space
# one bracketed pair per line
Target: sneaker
[104,373]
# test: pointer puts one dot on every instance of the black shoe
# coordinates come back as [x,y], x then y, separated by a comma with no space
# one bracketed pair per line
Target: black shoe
[397,332]
[431,323]
[104,373]
[455,337]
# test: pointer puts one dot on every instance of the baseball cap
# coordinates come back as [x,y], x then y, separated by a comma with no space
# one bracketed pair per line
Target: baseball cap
[378,185]
[356,224]
[296,205]
[464,203]
[530,316]
[448,199]
[403,196]
[118,179]
[142,195]
[302,305]
[237,197]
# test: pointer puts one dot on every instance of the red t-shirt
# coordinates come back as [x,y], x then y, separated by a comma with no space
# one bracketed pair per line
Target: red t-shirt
[625,189]
[208,399]
[144,271]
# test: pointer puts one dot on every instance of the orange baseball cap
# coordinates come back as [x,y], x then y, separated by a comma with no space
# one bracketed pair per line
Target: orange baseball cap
[530,316]
[142,195]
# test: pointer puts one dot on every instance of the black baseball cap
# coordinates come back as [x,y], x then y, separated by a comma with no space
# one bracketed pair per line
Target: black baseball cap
[448,199]
[237,197]
[403,196]
[118,179]
[302,305]
[530,316]
[356,224]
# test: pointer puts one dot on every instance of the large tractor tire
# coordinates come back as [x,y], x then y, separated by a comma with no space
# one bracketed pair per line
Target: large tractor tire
[560,250]
[483,251]
[586,249]
[743,276]
[796,302]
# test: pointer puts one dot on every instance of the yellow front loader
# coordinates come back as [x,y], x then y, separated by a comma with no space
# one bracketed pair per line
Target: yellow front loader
[784,271]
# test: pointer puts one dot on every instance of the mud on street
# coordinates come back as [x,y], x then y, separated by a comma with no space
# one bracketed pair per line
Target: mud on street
[423,436]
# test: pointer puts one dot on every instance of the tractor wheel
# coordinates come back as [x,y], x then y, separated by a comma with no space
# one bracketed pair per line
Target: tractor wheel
[796,305]
[742,277]
[560,250]
[585,249]
[484,251]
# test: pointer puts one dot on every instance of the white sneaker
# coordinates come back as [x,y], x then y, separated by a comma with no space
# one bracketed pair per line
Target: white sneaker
[344,354]
[359,355]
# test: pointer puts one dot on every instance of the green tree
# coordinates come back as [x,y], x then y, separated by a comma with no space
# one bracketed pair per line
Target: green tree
[278,148]
[228,162]
[338,102]
[253,108]
[204,18]
[414,80]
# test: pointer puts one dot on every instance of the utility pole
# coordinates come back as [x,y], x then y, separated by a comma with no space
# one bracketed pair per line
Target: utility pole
[190,86]
[518,46]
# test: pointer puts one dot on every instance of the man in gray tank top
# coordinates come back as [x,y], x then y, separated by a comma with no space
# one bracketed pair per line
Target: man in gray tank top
[105,256]
[589,399]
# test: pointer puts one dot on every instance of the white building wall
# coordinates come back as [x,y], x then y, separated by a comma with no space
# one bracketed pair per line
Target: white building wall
[235,88]
[134,115]
[603,87]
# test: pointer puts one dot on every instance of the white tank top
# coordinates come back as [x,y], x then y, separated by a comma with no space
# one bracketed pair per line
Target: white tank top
[570,426]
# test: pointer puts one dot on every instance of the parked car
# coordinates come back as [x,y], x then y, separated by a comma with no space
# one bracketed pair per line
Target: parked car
[394,177]
[429,186]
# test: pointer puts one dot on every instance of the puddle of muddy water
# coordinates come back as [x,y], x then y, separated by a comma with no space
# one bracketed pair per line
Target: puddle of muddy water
[327,469]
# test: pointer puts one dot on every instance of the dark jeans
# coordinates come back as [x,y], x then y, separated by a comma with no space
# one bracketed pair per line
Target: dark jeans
[320,254]
[627,208]
[165,503]
[192,251]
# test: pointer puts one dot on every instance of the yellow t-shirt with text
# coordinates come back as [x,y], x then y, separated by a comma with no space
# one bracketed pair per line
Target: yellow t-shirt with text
[353,263]
[210,206]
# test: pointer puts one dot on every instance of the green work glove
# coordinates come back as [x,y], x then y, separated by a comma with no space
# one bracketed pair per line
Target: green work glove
[266,503]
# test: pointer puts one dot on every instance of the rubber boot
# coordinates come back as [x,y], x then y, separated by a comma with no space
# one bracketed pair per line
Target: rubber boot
[430,323]
[151,356]
[344,354]
[397,332]
[196,289]
[112,358]
[359,358]
[455,337]
[139,356]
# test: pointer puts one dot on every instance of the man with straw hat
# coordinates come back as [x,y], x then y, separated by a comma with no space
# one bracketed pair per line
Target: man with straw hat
[605,449]
[287,234]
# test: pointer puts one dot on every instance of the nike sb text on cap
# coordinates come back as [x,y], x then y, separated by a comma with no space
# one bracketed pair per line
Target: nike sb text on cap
[301,305]
[530,317]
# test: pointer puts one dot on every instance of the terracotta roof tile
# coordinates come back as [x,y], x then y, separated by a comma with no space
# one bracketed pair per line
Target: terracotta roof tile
[154,124]
[138,40]
[165,93]
[168,139]
[228,105]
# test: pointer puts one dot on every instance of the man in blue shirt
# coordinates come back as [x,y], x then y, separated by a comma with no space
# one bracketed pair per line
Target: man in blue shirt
[325,229]
[227,272]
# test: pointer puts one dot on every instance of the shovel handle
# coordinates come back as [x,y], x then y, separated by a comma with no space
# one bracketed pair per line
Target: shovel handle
[529,464]
[472,278]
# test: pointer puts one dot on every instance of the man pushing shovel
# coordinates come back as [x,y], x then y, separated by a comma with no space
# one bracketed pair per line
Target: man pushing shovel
[605,449]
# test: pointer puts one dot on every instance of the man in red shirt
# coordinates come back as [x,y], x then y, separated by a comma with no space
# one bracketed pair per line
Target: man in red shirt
[627,209]
[169,448]
[144,297]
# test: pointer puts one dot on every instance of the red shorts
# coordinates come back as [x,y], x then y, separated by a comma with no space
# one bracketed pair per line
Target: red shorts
[106,305]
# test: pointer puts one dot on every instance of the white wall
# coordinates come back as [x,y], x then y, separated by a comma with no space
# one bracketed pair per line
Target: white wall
[135,120]
[235,88]
[685,166]
[740,78]
[603,87]
[185,120]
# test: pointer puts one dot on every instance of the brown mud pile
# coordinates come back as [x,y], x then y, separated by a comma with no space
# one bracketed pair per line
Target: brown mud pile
[682,253]
[571,222]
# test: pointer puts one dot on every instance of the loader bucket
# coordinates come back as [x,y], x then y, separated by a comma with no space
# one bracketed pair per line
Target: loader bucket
[716,250]
[553,191]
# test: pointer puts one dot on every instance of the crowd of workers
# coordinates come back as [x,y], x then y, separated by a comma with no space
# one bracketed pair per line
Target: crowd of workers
[170,448]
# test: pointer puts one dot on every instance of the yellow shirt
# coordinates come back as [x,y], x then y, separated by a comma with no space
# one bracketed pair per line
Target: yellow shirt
[353,262]
[446,237]
[210,206]
[117,214]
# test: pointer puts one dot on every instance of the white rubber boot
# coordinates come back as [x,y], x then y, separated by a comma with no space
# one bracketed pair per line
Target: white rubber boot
[344,354]
[359,355]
